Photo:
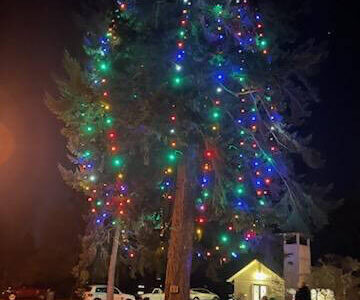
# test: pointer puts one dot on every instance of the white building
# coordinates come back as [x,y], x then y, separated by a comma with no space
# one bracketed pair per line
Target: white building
[256,280]
[297,260]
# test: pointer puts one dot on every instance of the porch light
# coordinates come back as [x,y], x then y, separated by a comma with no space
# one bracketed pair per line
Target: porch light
[260,276]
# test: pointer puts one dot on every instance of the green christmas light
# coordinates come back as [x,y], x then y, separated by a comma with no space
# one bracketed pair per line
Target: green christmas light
[218,10]
[109,121]
[117,161]
[224,238]
[261,202]
[87,154]
[215,114]
[89,129]
[92,178]
[242,246]
[172,157]
[240,190]
[263,44]
[103,66]
[177,81]
[99,203]
[206,194]
[268,158]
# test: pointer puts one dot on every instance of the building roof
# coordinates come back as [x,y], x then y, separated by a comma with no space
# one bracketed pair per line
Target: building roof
[255,261]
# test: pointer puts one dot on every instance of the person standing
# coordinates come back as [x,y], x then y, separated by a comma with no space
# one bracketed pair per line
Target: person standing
[50,294]
[303,293]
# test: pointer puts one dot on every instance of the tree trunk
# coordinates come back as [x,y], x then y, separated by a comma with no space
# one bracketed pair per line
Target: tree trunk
[112,264]
[177,283]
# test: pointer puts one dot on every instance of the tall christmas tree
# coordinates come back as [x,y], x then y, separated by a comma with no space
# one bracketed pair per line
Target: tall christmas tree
[184,122]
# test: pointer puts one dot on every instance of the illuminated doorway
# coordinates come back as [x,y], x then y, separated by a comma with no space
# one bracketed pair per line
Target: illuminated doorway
[259,291]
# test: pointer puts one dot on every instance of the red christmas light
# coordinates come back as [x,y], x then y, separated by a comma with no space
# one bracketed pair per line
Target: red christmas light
[209,153]
[250,234]
[201,220]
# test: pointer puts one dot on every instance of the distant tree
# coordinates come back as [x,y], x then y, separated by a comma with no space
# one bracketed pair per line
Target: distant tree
[340,274]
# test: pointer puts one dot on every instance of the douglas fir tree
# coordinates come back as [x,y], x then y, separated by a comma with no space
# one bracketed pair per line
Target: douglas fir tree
[182,125]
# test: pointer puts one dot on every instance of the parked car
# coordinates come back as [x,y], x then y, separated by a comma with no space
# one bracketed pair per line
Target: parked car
[156,294]
[203,294]
[24,292]
[98,292]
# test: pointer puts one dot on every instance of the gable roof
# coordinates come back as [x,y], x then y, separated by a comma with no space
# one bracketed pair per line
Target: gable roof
[255,261]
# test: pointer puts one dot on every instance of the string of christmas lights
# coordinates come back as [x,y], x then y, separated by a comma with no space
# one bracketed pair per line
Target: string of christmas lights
[255,164]
[108,197]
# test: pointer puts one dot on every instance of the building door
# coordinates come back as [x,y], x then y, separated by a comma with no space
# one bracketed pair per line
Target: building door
[259,291]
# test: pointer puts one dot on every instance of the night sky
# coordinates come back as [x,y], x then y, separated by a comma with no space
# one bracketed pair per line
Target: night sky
[34,35]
